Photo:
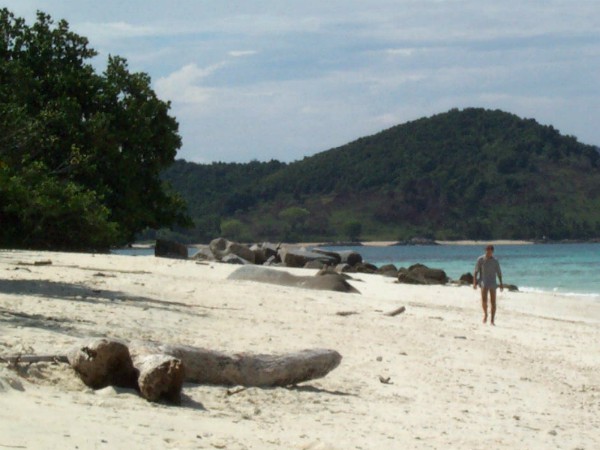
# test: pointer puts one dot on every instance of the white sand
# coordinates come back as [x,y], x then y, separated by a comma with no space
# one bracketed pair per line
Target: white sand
[531,382]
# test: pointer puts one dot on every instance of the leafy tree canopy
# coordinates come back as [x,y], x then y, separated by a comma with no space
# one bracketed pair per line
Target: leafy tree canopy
[80,152]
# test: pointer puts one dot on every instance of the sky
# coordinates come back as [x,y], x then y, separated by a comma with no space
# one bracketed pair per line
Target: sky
[285,79]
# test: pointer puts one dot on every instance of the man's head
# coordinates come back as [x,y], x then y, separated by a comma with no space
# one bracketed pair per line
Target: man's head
[489,250]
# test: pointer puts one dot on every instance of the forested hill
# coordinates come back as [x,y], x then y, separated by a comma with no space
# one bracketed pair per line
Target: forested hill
[470,173]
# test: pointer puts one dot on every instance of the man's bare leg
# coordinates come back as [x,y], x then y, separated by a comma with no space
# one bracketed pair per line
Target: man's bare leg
[484,292]
[493,302]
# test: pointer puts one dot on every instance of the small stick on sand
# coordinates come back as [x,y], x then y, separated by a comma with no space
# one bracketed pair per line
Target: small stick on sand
[396,311]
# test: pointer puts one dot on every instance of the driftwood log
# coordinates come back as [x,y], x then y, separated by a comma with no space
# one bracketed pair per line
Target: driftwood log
[158,371]
[205,366]
[160,377]
[108,362]
[103,362]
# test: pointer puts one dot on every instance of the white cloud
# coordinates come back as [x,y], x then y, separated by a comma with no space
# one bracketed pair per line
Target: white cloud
[184,86]
[114,31]
[241,53]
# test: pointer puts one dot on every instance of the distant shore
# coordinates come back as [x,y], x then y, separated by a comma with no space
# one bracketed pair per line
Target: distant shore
[433,242]
[492,242]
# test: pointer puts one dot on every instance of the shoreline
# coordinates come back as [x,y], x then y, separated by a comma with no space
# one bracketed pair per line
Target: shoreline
[397,243]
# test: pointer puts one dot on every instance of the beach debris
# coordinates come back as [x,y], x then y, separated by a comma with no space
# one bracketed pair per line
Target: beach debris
[385,380]
[231,392]
[160,377]
[345,313]
[104,275]
[205,366]
[396,311]
[45,262]
[158,371]
[103,362]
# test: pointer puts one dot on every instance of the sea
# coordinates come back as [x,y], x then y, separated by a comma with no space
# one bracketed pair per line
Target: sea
[568,269]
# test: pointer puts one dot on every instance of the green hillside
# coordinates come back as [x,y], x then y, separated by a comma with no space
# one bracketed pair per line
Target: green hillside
[470,173]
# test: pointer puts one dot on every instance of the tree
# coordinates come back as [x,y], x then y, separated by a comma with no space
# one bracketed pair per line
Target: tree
[353,229]
[100,139]
[232,229]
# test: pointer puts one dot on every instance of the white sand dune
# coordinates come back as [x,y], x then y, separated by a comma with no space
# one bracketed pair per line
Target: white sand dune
[531,382]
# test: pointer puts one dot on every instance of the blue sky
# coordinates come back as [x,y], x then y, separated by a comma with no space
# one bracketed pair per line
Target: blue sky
[285,79]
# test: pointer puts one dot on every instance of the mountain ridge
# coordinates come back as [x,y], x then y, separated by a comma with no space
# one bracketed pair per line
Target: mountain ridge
[471,173]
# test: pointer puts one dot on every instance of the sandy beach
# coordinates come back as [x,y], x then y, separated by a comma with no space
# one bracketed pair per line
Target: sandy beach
[531,382]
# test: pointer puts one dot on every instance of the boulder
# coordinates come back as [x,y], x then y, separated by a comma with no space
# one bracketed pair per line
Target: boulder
[466,278]
[330,282]
[170,249]
[350,257]
[388,270]
[437,276]
[241,250]
[343,268]
[273,261]
[421,274]
[406,277]
[364,267]
[203,254]
[328,270]
[234,259]
[335,255]
[218,246]
[260,256]
[221,248]
[315,264]
[292,257]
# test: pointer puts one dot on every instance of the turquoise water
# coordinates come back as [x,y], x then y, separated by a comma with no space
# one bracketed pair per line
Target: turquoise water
[571,269]
[562,268]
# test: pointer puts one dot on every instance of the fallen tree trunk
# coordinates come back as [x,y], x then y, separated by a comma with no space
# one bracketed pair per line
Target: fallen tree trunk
[205,366]
[103,362]
[160,377]
[158,371]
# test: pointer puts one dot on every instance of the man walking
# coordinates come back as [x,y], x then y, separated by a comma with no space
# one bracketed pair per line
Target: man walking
[487,269]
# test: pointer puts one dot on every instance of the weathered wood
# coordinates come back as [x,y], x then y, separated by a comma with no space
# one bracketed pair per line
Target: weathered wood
[160,377]
[103,362]
[30,359]
[205,366]
[396,311]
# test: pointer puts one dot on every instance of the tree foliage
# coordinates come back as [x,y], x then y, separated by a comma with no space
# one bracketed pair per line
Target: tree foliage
[88,147]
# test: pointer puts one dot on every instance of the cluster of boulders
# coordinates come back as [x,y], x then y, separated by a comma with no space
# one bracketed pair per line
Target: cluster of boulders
[343,261]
